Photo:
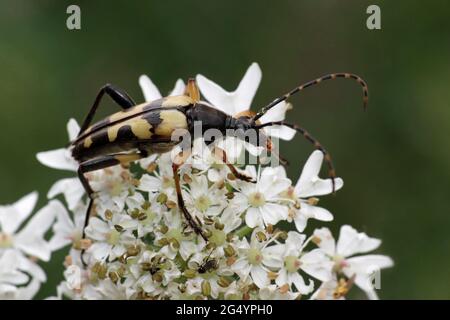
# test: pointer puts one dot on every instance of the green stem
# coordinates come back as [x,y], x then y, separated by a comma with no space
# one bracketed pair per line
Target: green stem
[243,231]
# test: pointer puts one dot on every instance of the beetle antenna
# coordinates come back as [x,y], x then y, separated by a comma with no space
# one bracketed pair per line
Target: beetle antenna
[330,76]
[314,141]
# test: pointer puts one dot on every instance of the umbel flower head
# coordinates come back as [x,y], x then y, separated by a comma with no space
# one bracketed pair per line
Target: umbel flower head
[139,246]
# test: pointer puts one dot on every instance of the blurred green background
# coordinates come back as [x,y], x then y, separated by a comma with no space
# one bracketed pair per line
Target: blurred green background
[395,158]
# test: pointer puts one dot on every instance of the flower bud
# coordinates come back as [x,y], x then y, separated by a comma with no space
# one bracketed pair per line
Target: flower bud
[223,282]
[206,288]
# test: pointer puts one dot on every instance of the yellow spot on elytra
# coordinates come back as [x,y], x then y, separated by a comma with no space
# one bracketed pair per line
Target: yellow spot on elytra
[171,120]
[87,142]
[139,127]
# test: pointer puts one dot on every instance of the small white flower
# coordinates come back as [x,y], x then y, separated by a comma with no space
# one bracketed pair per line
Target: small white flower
[149,212]
[111,237]
[204,200]
[112,187]
[253,258]
[19,277]
[261,199]
[309,185]
[203,159]
[288,259]
[349,244]
[179,241]
[68,230]
[29,239]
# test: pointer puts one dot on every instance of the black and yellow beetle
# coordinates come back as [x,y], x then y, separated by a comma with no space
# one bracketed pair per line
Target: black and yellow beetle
[143,129]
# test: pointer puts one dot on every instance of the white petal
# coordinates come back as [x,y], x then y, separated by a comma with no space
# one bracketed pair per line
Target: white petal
[369,263]
[178,89]
[187,248]
[149,90]
[273,213]
[216,95]
[32,268]
[273,187]
[9,268]
[30,238]
[281,132]
[300,284]
[247,87]
[59,241]
[317,264]
[253,218]
[57,159]
[11,217]
[282,278]
[295,240]
[149,183]
[62,231]
[232,102]
[28,292]
[372,295]
[233,148]
[253,150]
[72,129]
[315,212]
[300,222]
[273,256]
[214,175]
[34,246]
[351,242]
[320,187]
[97,229]
[326,241]
[277,113]
[43,219]
[100,250]
[311,169]
[259,276]
[71,188]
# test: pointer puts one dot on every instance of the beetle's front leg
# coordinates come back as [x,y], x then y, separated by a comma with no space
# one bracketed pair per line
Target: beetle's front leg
[195,225]
[221,155]
[97,164]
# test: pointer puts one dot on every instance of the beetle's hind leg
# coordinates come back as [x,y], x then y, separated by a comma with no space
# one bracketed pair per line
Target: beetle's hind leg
[195,224]
[97,164]
[119,96]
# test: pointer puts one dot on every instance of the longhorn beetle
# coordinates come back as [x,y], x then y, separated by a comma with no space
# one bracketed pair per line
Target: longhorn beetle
[142,129]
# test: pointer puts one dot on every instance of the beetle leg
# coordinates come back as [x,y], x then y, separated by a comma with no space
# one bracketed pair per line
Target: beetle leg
[119,96]
[97,164]
[195,224]
[192,90]
[221,155]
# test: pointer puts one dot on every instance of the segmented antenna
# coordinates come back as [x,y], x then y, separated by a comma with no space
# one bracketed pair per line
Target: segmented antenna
[330,76]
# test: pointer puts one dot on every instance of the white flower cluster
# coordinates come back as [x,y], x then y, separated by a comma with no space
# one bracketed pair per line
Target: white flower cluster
[139,246]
